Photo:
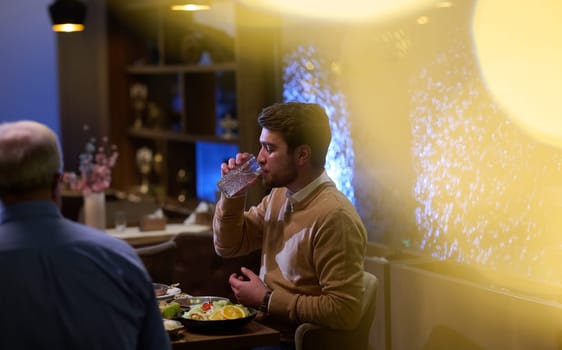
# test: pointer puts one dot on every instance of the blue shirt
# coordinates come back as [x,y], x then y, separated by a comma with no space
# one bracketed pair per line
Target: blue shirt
[64,285]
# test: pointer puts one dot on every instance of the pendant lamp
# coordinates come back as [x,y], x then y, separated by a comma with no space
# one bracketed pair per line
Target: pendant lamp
[67,15]
[190,5]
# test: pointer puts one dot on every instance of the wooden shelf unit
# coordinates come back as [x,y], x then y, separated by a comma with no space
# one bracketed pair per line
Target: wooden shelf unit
[191,98]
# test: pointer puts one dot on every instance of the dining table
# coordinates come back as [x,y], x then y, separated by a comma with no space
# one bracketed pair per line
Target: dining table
[136,237]
[250,335]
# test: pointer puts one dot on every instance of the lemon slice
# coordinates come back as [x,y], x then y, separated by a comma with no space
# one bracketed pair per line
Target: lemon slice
[231,312]
[217,315]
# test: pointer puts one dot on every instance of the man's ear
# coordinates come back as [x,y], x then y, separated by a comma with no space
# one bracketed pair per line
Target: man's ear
[303,153]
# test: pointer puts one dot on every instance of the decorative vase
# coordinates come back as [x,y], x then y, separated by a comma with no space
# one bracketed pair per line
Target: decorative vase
[94,210]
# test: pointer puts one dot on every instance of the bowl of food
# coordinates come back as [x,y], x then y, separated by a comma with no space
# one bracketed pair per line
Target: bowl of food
[160,289]
[215,314]
[187,301]
[172,327]
[164,291]
[170,309]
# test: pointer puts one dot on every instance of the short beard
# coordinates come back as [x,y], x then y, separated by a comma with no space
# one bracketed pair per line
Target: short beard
[286,180]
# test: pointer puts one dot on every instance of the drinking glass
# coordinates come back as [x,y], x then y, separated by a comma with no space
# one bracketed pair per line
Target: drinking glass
[240,178]
[120,219]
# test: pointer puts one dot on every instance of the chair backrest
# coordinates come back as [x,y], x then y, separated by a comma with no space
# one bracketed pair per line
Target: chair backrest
[200,271]
[368,307]
[159,260]
[310,336]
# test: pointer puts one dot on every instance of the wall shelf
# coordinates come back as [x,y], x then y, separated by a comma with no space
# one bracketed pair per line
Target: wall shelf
[180,68]
[177,136]
[186,102]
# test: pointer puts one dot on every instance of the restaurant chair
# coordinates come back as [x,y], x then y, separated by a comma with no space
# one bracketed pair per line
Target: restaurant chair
[200,271]
[310,336]
[159,260]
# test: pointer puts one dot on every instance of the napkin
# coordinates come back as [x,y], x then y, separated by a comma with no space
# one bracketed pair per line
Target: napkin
[153,221]
[202,215]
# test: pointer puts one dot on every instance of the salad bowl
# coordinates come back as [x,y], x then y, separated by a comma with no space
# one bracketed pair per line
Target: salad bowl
[199,317]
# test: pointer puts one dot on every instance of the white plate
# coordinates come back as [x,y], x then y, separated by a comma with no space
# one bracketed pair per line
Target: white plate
[172,291]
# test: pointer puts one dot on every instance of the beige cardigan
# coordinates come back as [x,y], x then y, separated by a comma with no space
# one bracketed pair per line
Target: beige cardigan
[312,254]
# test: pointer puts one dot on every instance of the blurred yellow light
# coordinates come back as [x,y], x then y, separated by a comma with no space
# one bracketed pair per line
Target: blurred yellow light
[444,4]
[340,10]
[190,7]
[68,27]
[519,48]
[422,20]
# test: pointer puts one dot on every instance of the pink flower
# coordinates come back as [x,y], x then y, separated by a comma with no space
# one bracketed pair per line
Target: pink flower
[95,169]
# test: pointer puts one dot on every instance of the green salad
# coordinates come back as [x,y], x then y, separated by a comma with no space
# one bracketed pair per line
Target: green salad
[217,310]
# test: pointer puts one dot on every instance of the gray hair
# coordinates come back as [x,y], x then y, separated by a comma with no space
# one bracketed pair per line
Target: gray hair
[30,157]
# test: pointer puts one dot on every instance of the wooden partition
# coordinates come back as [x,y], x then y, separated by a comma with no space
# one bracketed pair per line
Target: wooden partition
[441,305]
[378,261]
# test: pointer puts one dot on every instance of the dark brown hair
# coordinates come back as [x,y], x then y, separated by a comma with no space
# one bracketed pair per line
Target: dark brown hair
[300,124]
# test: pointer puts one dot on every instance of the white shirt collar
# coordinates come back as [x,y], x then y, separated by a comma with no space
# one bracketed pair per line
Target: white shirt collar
[308,189]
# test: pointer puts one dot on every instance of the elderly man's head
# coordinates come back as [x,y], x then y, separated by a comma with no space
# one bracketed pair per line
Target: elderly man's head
[30,160]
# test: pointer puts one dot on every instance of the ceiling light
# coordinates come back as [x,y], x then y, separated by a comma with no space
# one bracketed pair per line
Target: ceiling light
[191,6]
[67,15]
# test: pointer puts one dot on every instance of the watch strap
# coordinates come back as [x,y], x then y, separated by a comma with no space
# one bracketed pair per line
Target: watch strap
[264,307]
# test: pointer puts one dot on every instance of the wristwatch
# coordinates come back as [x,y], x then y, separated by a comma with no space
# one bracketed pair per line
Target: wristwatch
[264,307]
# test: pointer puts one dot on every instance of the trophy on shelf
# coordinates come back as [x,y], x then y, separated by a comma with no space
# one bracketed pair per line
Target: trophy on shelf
[158,167]
[154,115]
[138,94]
[144,159]
[158,163]
[183,177]
[229,125]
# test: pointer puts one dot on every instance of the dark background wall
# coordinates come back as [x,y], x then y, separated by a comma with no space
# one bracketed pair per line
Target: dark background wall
[28,70]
